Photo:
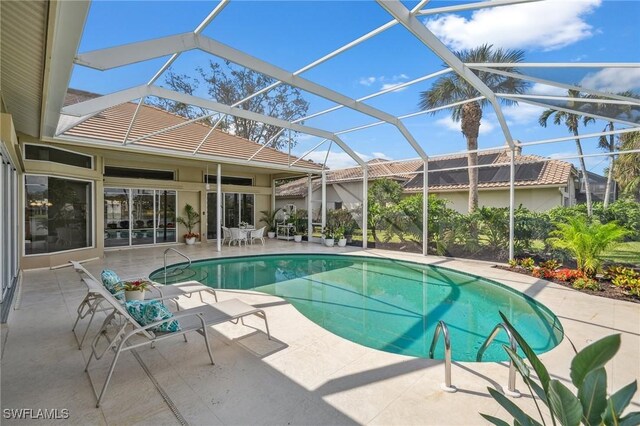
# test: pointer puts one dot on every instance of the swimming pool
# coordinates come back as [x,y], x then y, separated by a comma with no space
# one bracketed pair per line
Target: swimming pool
[385,304]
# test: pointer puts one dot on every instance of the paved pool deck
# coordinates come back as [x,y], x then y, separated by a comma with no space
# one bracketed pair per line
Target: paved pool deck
[305,375]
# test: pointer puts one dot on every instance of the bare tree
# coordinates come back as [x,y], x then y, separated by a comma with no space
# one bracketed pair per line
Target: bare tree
[229,84]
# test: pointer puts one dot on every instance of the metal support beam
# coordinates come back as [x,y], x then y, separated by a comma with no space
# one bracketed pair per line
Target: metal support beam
[425,208]
[219,233]
[136,52]
[309,208]
[512,202]
[365,206]
[323,207]
[66,23]
[302,157]
[273,195]
[420,31]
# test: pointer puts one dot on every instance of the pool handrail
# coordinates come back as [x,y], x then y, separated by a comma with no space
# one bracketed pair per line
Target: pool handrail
[442,327]
[165,261]
[511,388]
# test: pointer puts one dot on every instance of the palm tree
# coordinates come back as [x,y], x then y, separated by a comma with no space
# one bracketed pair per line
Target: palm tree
[608,144]
[572,121]
[453,88]
[627,167]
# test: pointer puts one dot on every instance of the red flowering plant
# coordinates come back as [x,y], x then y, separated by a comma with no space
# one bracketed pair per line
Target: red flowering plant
[191,235]
[568,275]
[135,285]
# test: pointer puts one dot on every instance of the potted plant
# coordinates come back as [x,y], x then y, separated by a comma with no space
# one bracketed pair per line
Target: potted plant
[328,235]
[297,236]
[269,219]
[339,235]
[190,220]
[134,290]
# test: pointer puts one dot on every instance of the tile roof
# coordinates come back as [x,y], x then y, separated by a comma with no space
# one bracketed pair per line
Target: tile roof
[111,125]
[531,170]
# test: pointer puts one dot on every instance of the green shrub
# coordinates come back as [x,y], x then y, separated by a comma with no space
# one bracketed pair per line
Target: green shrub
[626,212]
[625,278]
[591,405]
[586,283]
[586,241]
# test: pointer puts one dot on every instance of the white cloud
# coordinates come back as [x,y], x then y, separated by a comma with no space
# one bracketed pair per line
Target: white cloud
[367,81]
[547,25]
[522,113]
[486,126]
[385,82]
[545,89]
[613,80]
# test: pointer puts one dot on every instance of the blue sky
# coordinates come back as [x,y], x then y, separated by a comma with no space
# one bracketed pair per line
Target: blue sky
[292,34]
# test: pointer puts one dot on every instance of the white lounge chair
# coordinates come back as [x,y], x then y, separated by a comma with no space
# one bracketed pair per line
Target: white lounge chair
[258,234]
[237,235]
[198,319]
[91,304]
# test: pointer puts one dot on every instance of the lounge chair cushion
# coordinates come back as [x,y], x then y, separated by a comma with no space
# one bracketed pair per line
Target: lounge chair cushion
[148,311]
[111,282]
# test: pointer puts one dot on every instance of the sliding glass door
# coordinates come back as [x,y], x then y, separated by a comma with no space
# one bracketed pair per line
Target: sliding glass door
[139,217]
[236,208]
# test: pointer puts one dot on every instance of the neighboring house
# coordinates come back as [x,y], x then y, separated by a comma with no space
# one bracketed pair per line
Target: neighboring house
[540,183]
[597,186]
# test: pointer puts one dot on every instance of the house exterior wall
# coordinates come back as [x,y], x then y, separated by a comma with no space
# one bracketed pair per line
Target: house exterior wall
[188,184]
[535,199]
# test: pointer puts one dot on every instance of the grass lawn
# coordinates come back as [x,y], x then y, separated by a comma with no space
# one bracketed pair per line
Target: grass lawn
[628,252]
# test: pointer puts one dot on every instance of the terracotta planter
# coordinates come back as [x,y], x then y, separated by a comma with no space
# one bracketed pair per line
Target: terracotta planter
[134,295]
[190,241]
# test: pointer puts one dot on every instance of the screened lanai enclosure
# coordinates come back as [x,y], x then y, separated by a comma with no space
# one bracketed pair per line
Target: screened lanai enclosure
[488,121]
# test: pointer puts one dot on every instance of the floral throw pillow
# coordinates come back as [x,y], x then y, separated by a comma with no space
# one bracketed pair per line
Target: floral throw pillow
[111,281]
[146,312]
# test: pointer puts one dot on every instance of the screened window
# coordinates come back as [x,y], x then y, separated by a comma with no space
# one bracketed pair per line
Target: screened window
[229,180]
[47,153]
[125,172]
[58,214]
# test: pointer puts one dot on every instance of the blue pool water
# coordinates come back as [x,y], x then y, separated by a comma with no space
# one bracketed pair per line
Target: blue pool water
[385,304]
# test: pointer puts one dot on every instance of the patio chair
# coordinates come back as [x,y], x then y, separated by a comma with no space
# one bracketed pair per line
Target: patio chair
[238,235]
[226,234]
[192,319]
[90,305]
[258,234]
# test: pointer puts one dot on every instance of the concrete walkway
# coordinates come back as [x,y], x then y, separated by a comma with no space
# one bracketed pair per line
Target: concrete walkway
[306,375]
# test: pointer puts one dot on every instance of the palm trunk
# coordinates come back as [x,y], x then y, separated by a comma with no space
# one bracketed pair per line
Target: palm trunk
[470,120]
[472,159]
[607,192]
[585,176]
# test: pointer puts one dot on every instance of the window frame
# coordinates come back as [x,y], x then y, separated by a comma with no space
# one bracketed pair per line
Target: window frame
[23,204]
[91,157]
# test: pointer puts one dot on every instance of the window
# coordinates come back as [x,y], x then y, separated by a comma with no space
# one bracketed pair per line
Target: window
[47,153]
[229,180]
[125,172]
[139,216]
[337,205]
[58,214]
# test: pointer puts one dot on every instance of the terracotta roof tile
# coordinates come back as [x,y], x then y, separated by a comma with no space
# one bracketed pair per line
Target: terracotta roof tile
[111,126]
